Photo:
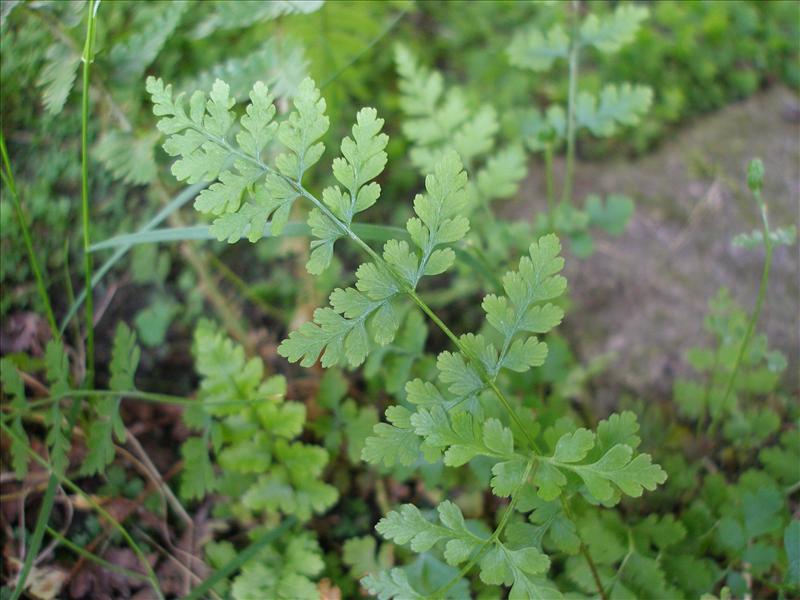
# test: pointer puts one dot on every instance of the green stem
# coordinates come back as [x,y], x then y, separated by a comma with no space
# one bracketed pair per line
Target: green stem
[38,533]
[551,193]
[44,512]
[585,552]
[245,289]
[529,470]
[751,324]
[66,482]
[8,178]
[134,394]
[88,55]
[574,47]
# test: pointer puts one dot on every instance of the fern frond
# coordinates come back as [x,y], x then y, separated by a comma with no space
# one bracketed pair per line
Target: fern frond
[58,76]
[616,106]
[154,24]
[14,387]
[531,49]
[609,33]
[244,13]
[108,423]
[129,157]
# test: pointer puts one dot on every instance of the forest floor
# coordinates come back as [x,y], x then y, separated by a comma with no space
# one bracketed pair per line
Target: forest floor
[643,296]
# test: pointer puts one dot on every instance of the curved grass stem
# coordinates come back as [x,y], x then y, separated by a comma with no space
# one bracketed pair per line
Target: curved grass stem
[88,56]
[8,178]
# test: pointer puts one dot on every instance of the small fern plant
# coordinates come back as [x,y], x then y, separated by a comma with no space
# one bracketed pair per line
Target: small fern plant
[465,414]
[265,472]
[602,115]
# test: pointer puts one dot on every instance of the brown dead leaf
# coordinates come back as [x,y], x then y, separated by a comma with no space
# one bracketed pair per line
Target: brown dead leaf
[45,583]
[24,332]
[328,591]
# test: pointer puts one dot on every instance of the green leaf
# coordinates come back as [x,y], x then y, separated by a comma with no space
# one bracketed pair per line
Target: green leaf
[462,436]
[58,76]
[390,584]
[439,214]
[520,310]
[476,136]
[531,49]
[408,526]
[300,132]
[394,443]
[502,174]
[363,159]
[761,509]
[129,157]
[618,429]
[617,105]
[551,521]
[124,359]
[619,467]
[15,388]
[282,571]
[573,447]
[518,568]
[359,554]
[292,485]
[108,423]
[507,477]
[610,33]
[225,16]
[198,474]
[783,236]
[152,27]
[613,215]
[433,117]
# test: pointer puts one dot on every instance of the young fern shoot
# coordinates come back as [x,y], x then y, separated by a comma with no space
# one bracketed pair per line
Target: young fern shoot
[467,414]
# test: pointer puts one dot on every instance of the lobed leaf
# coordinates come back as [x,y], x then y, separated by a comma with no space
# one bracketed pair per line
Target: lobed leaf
[531,49]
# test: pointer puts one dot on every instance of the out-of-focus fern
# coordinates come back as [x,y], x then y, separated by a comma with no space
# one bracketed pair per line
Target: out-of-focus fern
[251,429]
[152,26]
[616,106]
[225,16]
[252,433]
[105,422]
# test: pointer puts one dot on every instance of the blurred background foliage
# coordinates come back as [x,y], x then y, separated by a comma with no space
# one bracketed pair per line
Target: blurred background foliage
[696,56]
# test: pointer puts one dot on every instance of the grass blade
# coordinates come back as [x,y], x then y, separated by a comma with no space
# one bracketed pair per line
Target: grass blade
[181,199]
[241,558]
[8,177]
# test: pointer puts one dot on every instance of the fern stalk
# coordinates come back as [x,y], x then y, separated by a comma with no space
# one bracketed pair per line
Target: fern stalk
[762,293]
[530,470]
[551,193]
[574,46]
[88,54]
[8,178]
[587,555]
